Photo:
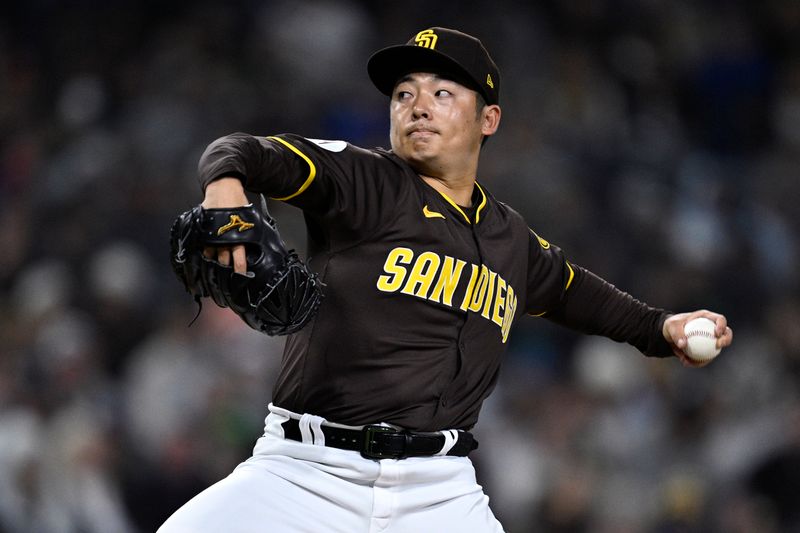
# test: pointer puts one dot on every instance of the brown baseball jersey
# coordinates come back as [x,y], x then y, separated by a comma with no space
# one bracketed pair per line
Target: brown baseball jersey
[420,293]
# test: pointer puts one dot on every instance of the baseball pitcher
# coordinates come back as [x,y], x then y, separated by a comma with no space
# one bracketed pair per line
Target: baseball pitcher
[398,324]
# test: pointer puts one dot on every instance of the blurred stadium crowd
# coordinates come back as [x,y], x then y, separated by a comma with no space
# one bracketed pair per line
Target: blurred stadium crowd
[657,142]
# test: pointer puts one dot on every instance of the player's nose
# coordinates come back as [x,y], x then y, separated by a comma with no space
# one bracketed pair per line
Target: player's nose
[421,112]
[421,107]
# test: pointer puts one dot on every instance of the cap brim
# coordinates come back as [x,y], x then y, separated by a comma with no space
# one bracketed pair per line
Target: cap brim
[386,66]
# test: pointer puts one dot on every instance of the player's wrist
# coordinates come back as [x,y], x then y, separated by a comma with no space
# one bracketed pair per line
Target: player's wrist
[225,192]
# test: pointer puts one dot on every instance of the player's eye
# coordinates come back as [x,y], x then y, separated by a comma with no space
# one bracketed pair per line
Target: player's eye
[403,95]
[443,92]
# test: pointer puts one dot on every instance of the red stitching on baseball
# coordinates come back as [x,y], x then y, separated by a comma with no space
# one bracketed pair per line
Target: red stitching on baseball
[707,334]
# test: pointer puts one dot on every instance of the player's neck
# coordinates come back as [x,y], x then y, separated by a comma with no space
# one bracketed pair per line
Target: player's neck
[452,176]
[458,190]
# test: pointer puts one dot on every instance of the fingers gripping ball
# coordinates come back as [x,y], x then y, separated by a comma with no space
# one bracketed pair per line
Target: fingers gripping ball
[277,295]
[701,339]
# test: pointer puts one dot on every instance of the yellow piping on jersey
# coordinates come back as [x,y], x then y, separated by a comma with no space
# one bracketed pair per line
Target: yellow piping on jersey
[482,204]
[458,208]
[312,170]
[566,287]
[451,202]
[571,276]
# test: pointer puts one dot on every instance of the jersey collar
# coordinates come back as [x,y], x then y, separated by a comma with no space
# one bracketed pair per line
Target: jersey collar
[481,204]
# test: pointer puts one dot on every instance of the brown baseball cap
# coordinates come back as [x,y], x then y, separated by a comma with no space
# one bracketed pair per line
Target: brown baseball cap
[443,51]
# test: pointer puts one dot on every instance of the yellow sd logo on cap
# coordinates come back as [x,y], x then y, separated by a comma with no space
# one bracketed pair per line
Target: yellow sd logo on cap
[426,39]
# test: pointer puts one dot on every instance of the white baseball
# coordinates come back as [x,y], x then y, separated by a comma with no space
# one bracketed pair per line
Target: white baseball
[702,341]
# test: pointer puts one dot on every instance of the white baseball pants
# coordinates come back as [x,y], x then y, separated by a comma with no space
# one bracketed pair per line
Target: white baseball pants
[292,487]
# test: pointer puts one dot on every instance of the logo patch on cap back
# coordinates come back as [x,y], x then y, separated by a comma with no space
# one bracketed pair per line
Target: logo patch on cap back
[426,39]
[489,81]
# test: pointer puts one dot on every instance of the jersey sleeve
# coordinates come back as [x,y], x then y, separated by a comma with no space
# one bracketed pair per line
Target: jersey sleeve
[331,180]
[549,276]
[574,297]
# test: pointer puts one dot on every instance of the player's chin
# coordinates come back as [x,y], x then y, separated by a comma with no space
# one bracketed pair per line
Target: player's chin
[420,157]
[421,140]
[421,151]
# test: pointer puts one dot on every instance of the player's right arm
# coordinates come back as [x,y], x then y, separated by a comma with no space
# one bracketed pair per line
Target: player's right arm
[345,187]
[579,299]
[223,171]
[574,297]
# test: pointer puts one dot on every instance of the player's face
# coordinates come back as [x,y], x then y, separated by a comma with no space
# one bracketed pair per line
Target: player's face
[435,124]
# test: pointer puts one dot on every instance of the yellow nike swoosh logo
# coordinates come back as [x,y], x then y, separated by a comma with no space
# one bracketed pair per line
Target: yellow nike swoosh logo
[431,214]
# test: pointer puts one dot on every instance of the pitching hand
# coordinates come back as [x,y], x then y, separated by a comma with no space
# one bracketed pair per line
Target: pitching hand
[674,334]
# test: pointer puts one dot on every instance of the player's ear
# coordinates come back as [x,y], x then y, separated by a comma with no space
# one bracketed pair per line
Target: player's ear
[490,119]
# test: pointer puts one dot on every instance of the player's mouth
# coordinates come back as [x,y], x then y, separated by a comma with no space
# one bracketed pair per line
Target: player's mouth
[421,132]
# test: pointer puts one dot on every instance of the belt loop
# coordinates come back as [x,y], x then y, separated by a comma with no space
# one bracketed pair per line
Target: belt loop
[311,429]
[305,429]
[316,429]
[450,439]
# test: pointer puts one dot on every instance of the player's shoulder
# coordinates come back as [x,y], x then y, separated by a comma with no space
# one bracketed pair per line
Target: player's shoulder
[329,146]
[339,152]
[511,218]
[503,210]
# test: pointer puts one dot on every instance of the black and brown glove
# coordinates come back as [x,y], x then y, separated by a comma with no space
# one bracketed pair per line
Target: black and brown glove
[277,296]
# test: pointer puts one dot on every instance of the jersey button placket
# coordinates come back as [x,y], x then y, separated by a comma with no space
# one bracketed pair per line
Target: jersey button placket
[461,348]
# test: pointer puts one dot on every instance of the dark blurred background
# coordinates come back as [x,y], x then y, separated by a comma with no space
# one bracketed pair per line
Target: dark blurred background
[656,141]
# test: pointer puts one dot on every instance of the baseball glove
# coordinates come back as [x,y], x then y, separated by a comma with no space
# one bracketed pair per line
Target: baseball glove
[277,295]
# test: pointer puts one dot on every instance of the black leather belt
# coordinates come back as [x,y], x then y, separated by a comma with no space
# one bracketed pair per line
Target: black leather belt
[381,442]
